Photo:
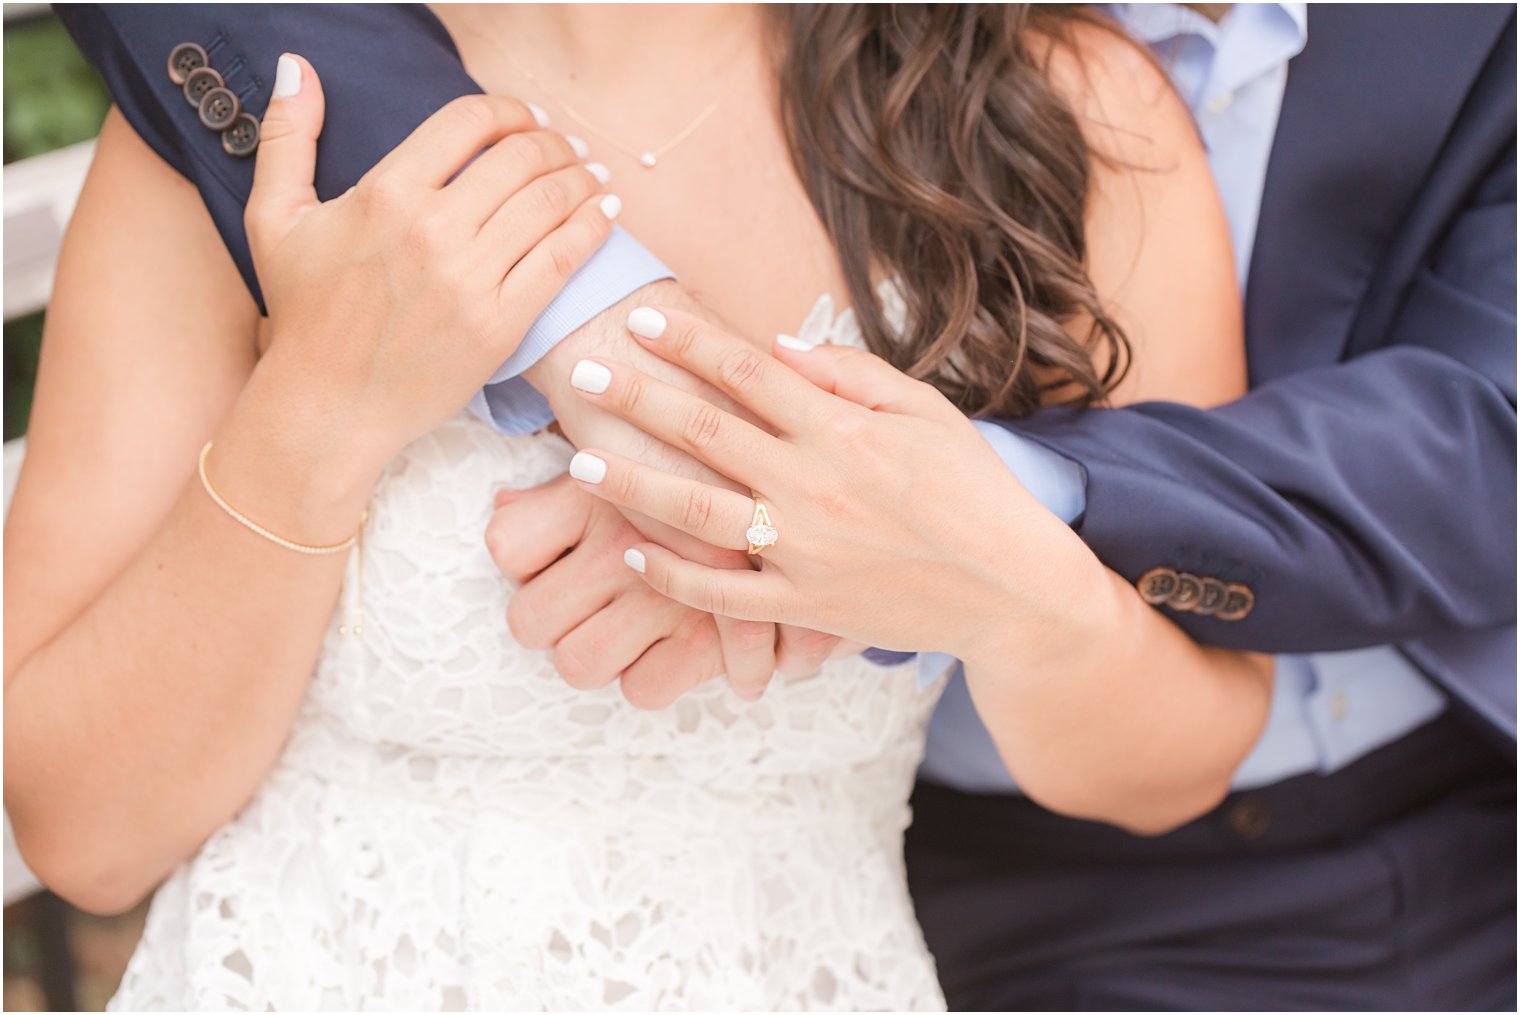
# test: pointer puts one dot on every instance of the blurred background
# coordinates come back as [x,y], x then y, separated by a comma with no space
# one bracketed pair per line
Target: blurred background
[56,957]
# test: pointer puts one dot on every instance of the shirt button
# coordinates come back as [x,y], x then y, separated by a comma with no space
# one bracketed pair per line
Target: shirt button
[199,82]
[219,108]
[1220,103]
[242,138]
[183,59]
[1339,706]
[1250,818]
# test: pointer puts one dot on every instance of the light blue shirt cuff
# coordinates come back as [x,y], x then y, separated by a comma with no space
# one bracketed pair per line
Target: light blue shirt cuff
[1055,481]
[508,402]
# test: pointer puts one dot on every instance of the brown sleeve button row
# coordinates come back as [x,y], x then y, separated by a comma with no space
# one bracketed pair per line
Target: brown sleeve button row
[216,105]
[1188,593]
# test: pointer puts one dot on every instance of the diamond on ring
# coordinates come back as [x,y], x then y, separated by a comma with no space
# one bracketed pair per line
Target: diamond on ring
[760,532]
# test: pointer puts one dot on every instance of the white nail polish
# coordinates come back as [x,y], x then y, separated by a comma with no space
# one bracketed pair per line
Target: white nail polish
[587,468]
[601,172]
[795,344]
[591,376]
[646,322]
[634,559]
[611,205]
[539,116]
[579,147]
[287,78]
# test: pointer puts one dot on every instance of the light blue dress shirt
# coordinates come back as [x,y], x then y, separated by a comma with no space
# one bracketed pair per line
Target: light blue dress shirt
[619,266]
[1327,709]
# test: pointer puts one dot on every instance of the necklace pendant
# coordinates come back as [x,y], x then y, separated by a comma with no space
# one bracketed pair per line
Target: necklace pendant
[647,160]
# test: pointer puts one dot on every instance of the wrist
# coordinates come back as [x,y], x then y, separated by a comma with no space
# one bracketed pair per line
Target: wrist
[297,457]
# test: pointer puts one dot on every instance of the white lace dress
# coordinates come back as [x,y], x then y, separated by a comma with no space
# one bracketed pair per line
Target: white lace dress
[452,827]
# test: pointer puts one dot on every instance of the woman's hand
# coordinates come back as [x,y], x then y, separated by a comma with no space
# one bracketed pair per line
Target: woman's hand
[898,524]
[395,301]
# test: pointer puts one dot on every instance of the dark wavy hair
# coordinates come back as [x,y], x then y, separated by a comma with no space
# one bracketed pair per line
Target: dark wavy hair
[935,148]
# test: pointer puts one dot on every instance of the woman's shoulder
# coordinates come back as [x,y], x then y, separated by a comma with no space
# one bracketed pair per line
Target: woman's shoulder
[1129,108]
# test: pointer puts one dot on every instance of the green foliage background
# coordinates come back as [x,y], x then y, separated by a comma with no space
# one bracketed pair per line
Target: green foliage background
[52,99]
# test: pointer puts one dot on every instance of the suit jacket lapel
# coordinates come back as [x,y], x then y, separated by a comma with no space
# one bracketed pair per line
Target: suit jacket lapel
[1367,106]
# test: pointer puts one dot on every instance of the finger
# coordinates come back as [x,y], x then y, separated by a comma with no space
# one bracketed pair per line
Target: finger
[725,592]
[749,655]
[531,214]
[445,141]
[674,666]
[531,529]
[285,167]
[857,376]
[731,446]
[543,271]
[505,168]
[556,601]
[600,648]
[800,651]
[712,514]
[772,391]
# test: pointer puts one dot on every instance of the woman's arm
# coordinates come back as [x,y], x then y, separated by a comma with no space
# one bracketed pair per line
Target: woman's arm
[157,650]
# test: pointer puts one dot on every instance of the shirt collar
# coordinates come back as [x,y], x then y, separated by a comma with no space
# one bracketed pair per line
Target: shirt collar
[1250,40]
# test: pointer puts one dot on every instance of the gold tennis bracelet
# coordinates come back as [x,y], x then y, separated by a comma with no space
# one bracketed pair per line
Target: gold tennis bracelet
[357,539]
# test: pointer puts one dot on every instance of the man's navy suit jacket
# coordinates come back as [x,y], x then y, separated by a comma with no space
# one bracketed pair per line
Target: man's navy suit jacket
[1364,489]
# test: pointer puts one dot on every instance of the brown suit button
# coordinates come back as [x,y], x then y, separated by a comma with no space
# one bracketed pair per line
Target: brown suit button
[242,138]
[219,108]
[1250,818]
[183,59]
[1238,602]
[1157,585]
[1189,590]
[1211,601]
[200,83]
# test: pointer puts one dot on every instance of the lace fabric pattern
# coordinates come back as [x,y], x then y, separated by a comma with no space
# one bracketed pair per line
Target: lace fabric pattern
[451,827]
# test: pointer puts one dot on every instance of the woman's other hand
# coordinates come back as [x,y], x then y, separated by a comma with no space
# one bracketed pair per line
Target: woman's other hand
[395,301]
[898,524]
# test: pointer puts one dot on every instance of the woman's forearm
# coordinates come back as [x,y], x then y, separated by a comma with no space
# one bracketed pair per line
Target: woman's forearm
[150,718]
[1116,715]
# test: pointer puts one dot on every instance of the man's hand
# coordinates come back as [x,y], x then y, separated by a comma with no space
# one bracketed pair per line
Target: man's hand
[750,651]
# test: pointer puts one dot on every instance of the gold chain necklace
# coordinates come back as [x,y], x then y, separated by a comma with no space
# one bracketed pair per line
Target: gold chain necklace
[646,157]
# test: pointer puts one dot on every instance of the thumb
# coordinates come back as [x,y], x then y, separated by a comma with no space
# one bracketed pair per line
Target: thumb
[860,377]
[287,156]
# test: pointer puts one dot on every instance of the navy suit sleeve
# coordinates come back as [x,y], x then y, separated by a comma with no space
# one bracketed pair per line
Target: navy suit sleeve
[1366,502]
[385,68]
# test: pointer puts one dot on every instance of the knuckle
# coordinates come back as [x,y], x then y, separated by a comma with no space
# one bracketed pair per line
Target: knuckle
[564,259]
[378,193]
[577,665]
[526,623]
[697,510]
[631,394]
[752,635]
[701,426]
[472,111]
[551,195]
[625,487]
[522,149]
[741,369]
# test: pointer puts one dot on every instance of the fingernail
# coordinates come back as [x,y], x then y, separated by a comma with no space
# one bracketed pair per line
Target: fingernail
[287,77]
[634,559]
[591,376]
[646,322]
[579,147]
[541,117]
[795,344]
[588,468]
[601,172]
[611,205]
